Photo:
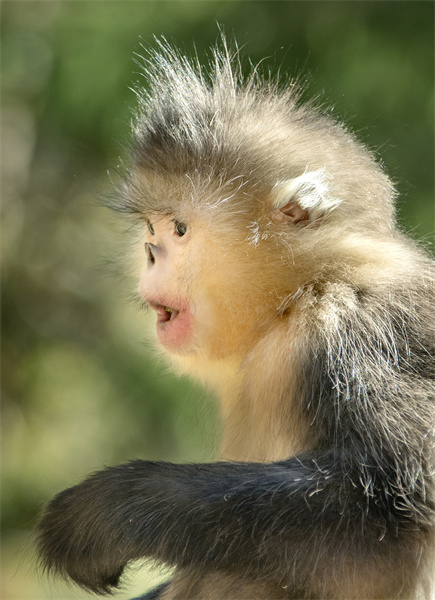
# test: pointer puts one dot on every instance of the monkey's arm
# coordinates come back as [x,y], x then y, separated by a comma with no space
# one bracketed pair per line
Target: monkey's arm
[268,520]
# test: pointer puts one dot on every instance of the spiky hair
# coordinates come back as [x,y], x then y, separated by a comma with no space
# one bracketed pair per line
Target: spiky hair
[220,125]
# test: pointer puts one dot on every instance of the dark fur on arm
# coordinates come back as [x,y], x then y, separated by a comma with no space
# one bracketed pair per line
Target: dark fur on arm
[270,519]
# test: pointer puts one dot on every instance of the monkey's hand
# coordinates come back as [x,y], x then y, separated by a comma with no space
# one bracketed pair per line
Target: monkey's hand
[88,532]
[175,513]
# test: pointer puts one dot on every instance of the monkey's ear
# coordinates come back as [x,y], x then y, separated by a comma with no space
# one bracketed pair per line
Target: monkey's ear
[293,212]
[303,198]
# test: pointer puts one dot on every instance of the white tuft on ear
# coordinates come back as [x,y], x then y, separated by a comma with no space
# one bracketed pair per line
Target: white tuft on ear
[310,191]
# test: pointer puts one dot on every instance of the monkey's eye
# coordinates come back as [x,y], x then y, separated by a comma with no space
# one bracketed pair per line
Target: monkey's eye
[180,228]
[150,228]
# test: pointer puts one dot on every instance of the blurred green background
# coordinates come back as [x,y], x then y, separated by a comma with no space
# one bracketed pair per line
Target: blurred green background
[80,388]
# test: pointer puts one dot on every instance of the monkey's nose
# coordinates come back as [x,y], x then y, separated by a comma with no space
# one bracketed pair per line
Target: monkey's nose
[151,251]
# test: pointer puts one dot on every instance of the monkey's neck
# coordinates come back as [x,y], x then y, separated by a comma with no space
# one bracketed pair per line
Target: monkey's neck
[261,419]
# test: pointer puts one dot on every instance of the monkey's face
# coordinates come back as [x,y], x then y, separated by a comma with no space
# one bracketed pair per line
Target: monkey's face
[217,267]
[204,287]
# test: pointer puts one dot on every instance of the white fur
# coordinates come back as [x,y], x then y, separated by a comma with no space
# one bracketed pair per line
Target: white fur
[311,191]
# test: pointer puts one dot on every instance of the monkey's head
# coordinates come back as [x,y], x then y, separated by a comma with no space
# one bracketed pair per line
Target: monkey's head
[245,196]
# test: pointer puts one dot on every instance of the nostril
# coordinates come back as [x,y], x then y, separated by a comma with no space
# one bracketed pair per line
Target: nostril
[150,254]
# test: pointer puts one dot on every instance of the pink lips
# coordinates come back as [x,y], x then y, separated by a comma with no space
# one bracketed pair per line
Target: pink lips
[173,324]
[164,313]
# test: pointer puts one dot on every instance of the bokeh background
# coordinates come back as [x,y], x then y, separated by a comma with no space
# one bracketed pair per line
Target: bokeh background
[80,388]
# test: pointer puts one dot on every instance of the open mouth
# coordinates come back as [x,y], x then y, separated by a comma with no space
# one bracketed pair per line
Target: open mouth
[164,313]
[173,324]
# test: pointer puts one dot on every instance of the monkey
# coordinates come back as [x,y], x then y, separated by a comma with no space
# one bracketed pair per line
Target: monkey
[279,278]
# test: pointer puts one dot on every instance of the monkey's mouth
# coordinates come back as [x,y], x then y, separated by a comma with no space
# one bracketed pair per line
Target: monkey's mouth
[165,313]
[173,325]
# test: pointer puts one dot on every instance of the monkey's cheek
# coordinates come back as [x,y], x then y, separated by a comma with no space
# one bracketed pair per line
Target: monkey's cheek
[175,335]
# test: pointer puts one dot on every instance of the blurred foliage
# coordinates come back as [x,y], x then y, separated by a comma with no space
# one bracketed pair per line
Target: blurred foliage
[79,386]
